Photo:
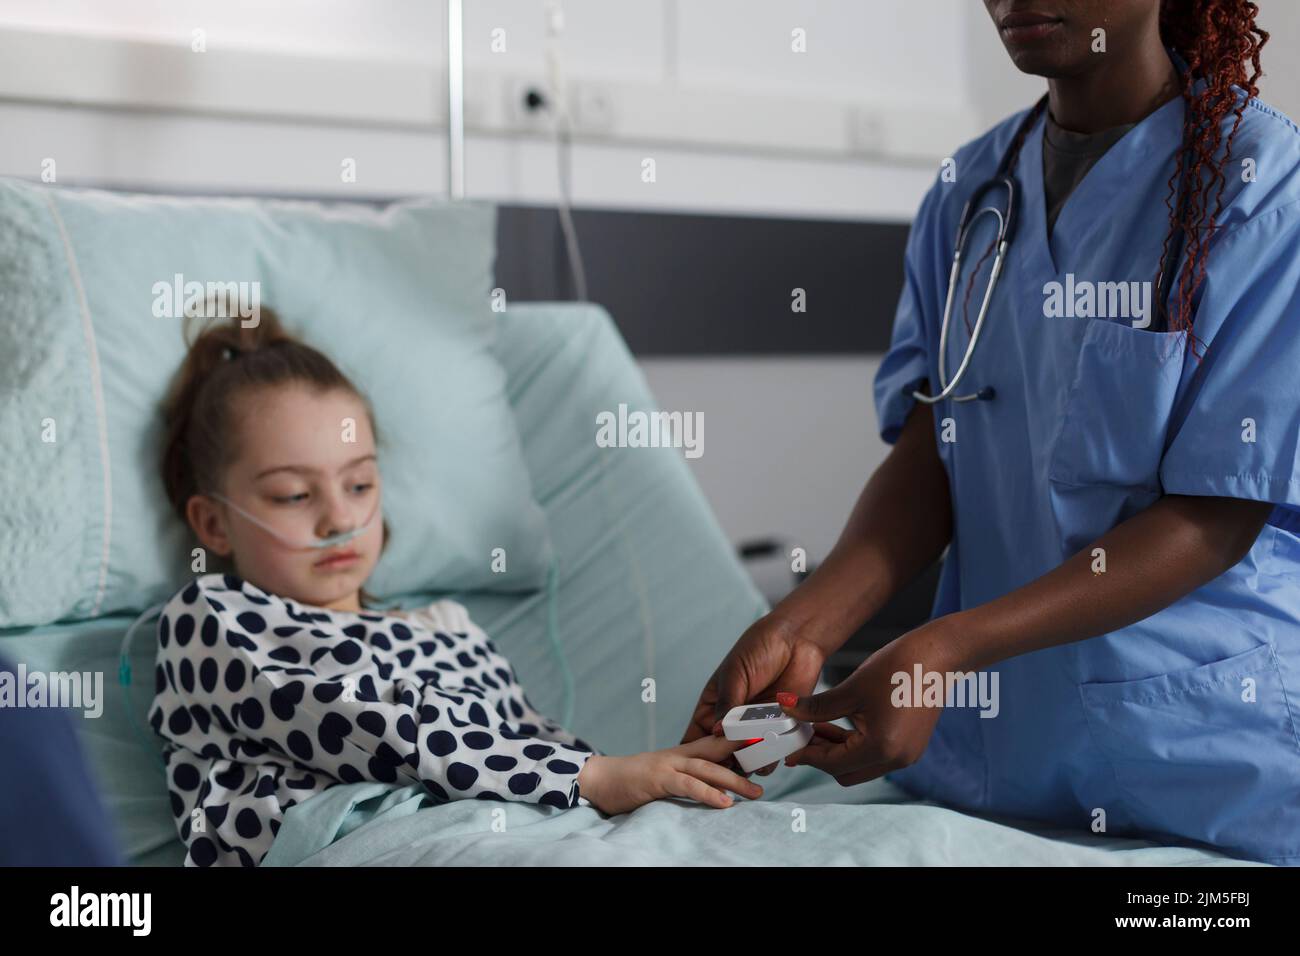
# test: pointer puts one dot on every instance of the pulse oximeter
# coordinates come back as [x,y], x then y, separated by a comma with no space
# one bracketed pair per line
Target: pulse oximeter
[772,734]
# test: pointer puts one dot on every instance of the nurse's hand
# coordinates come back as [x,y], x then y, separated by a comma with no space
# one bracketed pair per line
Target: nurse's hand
[885,737]
[771,655]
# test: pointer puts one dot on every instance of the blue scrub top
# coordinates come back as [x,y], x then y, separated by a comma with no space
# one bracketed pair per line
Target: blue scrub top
[1182,727]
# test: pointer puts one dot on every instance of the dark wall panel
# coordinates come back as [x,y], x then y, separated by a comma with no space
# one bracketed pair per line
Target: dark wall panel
[689,284]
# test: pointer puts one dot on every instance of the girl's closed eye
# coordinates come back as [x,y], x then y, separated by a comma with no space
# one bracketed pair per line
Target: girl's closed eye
[289,499]
[357,488]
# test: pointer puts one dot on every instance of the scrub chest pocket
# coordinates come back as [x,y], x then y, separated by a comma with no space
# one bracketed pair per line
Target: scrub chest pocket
[1210,754]
[1104,462]
[1116,411]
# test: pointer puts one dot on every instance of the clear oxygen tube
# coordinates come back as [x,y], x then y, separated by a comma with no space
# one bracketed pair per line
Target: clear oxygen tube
[300,544]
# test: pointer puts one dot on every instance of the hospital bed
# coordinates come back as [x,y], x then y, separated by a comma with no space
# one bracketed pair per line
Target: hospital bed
[648,587]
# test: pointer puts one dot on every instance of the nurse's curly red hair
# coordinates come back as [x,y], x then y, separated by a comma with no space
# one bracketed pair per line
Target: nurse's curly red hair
[1220,42]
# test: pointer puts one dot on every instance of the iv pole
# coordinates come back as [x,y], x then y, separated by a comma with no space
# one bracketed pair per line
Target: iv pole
[455,102]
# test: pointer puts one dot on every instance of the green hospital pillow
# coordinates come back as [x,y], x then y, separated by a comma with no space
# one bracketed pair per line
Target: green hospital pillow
[398,298]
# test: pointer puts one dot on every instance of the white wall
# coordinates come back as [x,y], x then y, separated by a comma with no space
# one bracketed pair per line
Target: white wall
[405,29]
[735,120]
[997,89]
[788,442]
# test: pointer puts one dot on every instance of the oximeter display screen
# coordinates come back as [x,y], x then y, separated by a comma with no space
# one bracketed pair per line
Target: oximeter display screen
[763,712]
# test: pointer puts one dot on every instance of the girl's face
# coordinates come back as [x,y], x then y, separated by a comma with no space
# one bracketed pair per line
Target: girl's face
[306,467]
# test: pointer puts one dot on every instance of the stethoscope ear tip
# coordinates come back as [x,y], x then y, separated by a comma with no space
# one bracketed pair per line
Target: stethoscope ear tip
[986,394]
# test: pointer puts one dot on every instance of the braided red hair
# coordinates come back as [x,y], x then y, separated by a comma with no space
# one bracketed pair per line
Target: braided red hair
[1216,38]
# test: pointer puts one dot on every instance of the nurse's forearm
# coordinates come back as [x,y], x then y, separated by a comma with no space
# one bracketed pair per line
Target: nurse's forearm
[1151,560]
[900,525]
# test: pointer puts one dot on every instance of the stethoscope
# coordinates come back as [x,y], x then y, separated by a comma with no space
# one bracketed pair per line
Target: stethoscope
[971,212]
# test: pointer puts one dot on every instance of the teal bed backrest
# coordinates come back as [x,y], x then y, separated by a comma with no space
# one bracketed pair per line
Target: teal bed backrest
[650,589]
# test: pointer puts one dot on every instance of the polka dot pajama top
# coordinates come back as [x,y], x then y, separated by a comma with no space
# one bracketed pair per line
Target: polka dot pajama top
[263,702]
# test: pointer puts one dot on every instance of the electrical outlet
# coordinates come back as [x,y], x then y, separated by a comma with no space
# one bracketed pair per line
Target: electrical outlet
[593,108]
[528,106]
[866,131]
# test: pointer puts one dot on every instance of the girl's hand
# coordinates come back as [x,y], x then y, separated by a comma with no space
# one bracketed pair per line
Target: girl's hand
[621,784]
[886,737]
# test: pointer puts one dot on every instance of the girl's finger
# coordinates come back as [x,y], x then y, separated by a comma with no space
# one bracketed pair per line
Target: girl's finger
[684,785]
[721,777]
[716,749]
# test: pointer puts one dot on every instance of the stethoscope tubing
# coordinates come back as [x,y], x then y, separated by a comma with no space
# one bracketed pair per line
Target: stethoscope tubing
[947,387]
[1006,228]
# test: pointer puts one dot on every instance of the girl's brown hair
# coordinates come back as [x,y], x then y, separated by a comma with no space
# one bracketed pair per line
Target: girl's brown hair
[225,362]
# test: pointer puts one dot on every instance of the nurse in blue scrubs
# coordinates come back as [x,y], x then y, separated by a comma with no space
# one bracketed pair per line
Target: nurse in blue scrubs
[1120,504]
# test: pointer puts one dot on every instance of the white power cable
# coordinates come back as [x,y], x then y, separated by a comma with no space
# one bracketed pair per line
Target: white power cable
[560,107]
[455,101]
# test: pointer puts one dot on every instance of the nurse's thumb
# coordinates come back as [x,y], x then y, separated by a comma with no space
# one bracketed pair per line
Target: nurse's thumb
[731,688]
[825,706]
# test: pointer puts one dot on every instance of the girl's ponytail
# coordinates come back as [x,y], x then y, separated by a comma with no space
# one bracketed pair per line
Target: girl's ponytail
[226,361]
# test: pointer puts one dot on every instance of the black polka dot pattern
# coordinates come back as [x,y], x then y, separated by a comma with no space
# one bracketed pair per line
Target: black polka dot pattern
[263,703]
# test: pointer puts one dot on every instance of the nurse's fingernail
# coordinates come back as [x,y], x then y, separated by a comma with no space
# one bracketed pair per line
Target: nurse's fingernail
[786,699]
[717,725]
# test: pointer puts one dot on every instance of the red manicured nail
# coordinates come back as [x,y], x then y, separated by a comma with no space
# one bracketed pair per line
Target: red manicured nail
[786,699]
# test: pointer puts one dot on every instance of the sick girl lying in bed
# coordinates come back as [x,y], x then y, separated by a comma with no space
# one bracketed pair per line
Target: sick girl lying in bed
[276,682]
